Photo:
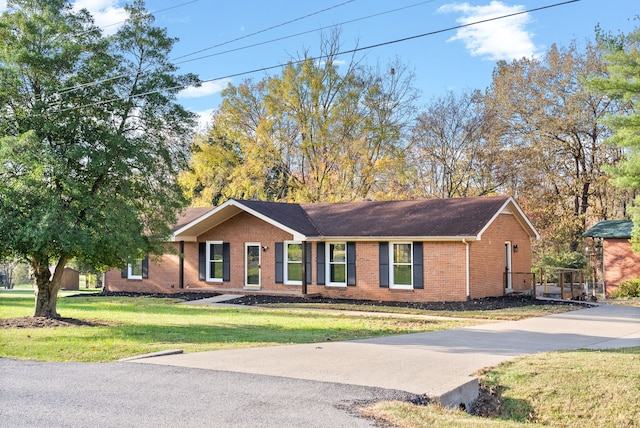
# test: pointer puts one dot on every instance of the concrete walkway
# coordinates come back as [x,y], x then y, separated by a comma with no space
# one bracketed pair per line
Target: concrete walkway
[439,364]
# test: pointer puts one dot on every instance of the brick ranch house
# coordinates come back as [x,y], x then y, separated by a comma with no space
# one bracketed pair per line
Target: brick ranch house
[617,261]
[415,251]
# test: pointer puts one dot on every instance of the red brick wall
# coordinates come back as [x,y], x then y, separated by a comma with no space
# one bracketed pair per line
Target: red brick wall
[488,258]
[620,263]
[241,229]
[163,276]
[444,265]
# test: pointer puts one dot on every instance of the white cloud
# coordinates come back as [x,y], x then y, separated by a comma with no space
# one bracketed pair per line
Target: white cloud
[204,118]
[106,13]
[207,88]
[502,39]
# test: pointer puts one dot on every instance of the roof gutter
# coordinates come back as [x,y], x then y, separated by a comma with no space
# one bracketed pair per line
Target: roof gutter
[390,238]
[467,269]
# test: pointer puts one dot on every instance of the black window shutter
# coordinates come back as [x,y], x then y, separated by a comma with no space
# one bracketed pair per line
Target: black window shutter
[351,263]
[308,262]
[383,249]
[279,262]
[226,261]
[145,266]
[202,261]
[418,271]
[124,273]
[320,263]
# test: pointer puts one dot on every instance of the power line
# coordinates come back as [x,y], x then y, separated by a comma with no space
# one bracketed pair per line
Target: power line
[146,14]
[320,57]
[156,11]
[304,32]
[85,85]
[264,30]
[97,82]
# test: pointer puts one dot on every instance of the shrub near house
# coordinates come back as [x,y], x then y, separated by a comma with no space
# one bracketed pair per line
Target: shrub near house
[421,250]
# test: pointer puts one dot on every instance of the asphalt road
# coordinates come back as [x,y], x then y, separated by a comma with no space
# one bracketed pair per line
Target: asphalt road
[36,394]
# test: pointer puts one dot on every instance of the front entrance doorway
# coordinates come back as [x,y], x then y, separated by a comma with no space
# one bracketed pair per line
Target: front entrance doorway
[252,266]
[508,285]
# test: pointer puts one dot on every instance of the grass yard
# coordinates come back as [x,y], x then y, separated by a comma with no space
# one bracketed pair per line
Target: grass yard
[559,389]
[131,326]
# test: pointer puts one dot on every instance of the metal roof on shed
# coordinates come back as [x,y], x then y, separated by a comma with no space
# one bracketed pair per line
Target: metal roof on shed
[611,229]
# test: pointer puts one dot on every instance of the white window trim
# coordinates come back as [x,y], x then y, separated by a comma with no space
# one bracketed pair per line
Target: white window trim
[392,264]
[130,274]
[286,263]
[208,258]
[329,283]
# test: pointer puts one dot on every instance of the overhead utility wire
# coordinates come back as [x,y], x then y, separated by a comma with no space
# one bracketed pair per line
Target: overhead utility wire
[153,13]
[89,84]
[148,13]
[304,32]
[264,30]
[404,39]
[97,82]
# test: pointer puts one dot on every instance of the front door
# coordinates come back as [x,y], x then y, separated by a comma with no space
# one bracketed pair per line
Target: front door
[507,267]
[252,266]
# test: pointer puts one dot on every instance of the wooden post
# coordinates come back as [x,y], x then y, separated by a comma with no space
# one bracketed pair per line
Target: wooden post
[572,279]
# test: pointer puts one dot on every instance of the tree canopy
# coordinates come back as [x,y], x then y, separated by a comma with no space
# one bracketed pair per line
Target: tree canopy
[323,130]
[91,139]
[622,84]
[551,129]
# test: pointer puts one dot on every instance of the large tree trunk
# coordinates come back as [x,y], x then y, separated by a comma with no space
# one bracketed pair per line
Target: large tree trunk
[47,286]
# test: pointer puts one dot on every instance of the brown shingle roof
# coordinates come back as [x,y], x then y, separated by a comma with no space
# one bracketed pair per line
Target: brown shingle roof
[457,217]
[437,219]
[426,217]
[189,215]
[291,215]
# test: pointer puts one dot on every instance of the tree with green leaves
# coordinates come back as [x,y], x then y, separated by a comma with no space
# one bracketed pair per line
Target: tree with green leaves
[91,140]
[622,84]
[324,129]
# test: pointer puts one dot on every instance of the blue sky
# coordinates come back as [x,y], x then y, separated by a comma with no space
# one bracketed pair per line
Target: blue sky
[449,60]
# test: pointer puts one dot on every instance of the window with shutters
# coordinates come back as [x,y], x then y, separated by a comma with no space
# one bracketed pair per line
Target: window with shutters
[215,261]
[293,263]
[337,264]
[134,270]
[401,272]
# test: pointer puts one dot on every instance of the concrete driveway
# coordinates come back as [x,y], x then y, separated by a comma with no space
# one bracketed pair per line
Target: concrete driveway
[439,364]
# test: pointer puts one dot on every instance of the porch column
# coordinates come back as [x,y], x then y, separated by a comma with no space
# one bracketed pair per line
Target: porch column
[304,268]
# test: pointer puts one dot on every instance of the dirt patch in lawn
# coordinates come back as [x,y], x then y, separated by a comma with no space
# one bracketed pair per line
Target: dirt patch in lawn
[44,322]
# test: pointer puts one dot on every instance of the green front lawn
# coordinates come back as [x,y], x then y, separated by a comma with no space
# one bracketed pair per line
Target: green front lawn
[130,326]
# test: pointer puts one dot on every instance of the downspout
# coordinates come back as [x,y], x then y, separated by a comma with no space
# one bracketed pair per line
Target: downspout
[467,269]
[181,266]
